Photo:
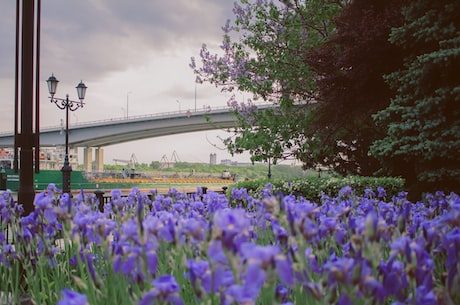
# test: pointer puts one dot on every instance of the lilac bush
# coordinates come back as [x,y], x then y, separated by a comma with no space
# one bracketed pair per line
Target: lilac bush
[147,248]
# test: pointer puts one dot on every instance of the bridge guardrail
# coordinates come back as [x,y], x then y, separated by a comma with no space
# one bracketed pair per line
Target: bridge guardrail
[135,117]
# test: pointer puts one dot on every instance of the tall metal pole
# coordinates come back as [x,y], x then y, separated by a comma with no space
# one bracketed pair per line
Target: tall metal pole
[26,138]
[269,175]
[66,169]
[127,102]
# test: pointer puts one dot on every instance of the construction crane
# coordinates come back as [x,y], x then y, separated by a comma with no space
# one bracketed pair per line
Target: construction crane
[132,162]
[175,157]
[165,163]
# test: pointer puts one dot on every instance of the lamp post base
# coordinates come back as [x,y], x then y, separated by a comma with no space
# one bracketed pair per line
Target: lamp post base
[66,170]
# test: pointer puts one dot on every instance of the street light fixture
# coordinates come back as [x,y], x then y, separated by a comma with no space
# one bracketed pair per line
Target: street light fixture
[67,105]
[269,174]
[127,102]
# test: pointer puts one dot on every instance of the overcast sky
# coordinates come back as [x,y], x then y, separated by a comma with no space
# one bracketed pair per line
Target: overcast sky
[130,54]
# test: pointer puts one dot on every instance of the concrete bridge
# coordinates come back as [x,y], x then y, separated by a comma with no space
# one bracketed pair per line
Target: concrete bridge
[108,132]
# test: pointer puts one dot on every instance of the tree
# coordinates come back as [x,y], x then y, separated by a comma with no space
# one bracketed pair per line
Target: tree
[350,68]
[422,122]
[268,59]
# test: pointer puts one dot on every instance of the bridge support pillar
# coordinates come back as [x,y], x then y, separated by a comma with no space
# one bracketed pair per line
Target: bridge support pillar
[99,159]
[88,159]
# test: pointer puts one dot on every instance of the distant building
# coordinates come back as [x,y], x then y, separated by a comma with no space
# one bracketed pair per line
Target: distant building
[213,159]
[226,162]
[50,158]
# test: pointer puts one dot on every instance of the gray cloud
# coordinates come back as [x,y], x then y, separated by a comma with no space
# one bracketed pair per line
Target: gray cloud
[97,40]
[88,37]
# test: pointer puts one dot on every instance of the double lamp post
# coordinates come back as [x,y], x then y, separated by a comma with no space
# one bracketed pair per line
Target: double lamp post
[67,104]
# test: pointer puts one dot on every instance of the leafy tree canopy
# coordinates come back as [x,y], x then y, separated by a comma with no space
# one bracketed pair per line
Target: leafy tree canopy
[350,68]
[322,64]
[264,53]
[422,123]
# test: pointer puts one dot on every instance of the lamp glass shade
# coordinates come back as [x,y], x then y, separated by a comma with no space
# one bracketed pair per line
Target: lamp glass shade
[81,90]
[52,84]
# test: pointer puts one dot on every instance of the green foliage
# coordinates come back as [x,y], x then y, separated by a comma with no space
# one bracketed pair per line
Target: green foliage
[313,188]
[268,60]
[422,123]
[242,171]
[351,87]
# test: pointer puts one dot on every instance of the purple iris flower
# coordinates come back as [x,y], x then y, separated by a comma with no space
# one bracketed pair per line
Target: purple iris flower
[43,201]
[166,284]
[328,225]
[45,205]
[152,261]
[29,226]
[344,300]
[339,269]
[216,253]
[369,193]
[424,296]
[52,188]
[232,223]
[284,270]
[401,245]
[395,279]
[264,256]
[267,191]
[372,232]
[165,289]
[130,229]
[282,294]
[167,232]
[345,191]
[249,291]
[115,194]
[152,225]
[198,206]
[381,193]
[311,260]
[193,228]
[70,297]
[280,233]
[451,217]
[451,246]
[200,274]
[222,278]
[238,194]
[83,225]
[309,230]
[215,202]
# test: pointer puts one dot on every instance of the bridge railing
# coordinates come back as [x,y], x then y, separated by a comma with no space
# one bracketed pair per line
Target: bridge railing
[132,118]
[138,117]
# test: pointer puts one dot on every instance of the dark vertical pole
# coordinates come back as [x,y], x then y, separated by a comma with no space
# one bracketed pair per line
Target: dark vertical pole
[66,169]
[37,89]
[27,141]
[269,175]
[16,89]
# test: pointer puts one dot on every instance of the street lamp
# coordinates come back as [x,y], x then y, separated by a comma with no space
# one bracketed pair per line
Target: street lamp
[127,102]
[269,174]
[67,105]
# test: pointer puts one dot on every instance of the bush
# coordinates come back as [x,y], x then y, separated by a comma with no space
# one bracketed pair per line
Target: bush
[313,188]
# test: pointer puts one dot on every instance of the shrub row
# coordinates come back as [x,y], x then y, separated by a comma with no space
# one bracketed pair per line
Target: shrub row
[313,188]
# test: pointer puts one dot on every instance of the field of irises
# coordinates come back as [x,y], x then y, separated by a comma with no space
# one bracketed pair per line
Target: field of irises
[210,248]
